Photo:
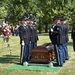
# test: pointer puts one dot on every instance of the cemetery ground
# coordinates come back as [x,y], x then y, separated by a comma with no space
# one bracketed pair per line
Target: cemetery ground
[11,55]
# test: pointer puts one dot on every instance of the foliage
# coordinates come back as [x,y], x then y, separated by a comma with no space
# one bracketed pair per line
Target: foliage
[43,10]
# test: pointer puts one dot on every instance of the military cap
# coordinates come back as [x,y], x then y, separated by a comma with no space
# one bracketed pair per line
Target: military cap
[62,19]
[25,18]
[56,18]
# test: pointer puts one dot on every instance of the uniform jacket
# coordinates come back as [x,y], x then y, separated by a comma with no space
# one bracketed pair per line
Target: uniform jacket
[32,38]
[59,31]
[24,34]
[73,34]
[52,35]
[34,35]
[66,33]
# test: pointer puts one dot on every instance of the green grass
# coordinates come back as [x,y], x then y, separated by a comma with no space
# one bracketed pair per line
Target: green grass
[10,56]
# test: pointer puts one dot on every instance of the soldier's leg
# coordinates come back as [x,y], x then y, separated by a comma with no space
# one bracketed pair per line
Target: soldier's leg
[56,54]
[30,50]
[35,44]
[74,45]
[66,51]
[27,52]
[21,58]
[61,54]
[31,46]
[24,53]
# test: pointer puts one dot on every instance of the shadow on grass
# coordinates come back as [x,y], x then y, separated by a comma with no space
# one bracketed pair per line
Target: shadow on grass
[9,59]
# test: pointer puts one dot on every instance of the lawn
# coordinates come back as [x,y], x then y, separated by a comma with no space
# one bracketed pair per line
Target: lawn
[10,55]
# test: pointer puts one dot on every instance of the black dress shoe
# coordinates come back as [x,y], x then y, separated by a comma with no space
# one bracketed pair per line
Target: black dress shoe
[55,64]
[60,65]
[66,59]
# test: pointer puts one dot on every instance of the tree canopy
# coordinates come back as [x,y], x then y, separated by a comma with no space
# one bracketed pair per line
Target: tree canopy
[43,10]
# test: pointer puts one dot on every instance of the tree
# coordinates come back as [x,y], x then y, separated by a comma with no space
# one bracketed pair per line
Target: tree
[43,10]
[15,11]
[3,9]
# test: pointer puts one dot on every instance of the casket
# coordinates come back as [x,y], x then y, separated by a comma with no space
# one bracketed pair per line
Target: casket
[43,53]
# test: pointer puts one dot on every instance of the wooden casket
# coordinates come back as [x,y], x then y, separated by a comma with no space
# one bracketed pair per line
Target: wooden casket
[43,53]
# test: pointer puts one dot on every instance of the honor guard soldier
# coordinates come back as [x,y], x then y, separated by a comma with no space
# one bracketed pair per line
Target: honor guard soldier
[66,39]
[24,41]
[52,36]
[73,36]
[33,36]
[58,30]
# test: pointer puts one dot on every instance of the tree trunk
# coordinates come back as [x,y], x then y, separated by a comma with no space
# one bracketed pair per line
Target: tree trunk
[40,26]
[46,27]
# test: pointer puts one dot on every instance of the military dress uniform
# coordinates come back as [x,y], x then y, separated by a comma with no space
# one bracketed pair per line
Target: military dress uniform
[53,39]
[29,37]
[73,37]
[24,36]
[66,42]
[35,35]
[33,38]
[65,36]
[60,41]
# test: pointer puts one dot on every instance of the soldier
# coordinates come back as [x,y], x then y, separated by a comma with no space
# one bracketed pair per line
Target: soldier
[32,34]
[33,37]
[30,25]
[24,41]
[59,28]
[52,36]
[35,34]
[58,36]
[65,32]
[29,36]
[73,36]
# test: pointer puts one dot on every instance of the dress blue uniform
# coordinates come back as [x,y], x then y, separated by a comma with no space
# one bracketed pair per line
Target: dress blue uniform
[52,36]
[66,42]
[65,36]
[73,37]
[35,35]
[24,36]
[33,38]
[60,41]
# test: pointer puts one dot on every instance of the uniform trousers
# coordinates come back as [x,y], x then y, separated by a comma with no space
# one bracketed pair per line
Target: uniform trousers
[65,51]
[26,53]
[31,46]
[61,54]
[56,54]
[74,45]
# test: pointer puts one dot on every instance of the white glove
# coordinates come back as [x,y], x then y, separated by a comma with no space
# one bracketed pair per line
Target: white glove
[23,43]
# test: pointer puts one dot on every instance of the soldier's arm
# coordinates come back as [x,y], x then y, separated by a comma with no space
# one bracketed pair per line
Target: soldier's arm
[57,30]
[21,31]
